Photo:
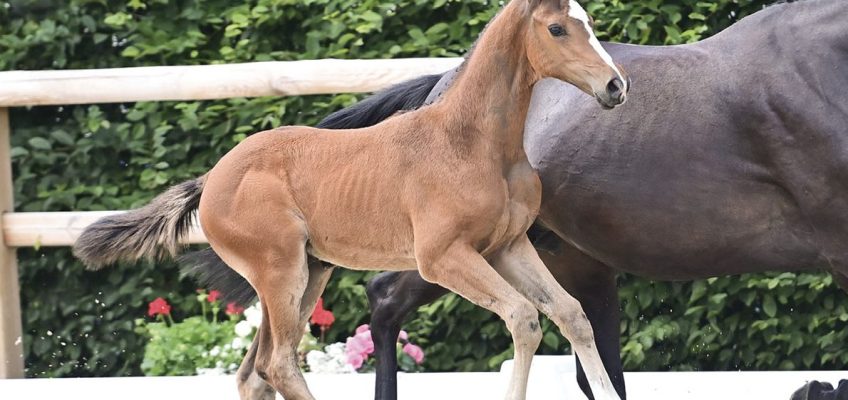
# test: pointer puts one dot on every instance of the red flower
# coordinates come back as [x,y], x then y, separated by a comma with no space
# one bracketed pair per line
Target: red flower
[158,307]
[321,317]
[213,296]
[234,309]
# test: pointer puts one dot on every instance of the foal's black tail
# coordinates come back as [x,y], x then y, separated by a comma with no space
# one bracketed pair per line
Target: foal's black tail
[211,272]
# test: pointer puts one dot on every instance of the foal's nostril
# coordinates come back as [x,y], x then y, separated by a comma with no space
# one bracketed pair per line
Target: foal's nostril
[615,88]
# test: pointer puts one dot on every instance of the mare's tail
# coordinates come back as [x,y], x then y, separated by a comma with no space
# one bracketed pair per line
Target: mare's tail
[153,231]
[404,96]
[205,265]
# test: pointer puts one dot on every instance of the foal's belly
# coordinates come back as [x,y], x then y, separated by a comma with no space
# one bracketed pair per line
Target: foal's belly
[367,239]
[362,258]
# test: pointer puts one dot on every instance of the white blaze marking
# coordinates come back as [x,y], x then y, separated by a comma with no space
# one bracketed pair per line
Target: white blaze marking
[577,12]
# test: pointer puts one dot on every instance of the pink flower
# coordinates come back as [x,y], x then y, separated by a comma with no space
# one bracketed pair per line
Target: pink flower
[403,336]
[213,296]
[359,346]
[355,360]
[367,344]
[360,343]
[415,352]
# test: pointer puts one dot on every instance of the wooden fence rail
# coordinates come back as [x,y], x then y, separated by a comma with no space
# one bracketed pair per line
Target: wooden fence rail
[206,82]
[39,88]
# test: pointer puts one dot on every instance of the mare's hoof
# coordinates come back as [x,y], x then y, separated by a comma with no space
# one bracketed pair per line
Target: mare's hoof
[815,390]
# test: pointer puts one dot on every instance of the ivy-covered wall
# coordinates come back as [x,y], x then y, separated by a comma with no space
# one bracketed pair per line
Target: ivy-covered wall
[117,156]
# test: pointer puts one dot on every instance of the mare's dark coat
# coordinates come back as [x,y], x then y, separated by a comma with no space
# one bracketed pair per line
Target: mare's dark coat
[731,156]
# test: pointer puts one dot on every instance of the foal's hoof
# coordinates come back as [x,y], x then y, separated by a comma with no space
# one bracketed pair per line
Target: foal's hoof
[815,390]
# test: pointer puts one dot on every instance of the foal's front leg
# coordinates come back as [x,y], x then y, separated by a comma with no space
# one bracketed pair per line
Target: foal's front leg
[463,270]
[521,266]
[593,284]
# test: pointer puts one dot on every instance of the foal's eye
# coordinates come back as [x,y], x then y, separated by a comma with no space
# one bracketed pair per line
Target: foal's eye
[556,30]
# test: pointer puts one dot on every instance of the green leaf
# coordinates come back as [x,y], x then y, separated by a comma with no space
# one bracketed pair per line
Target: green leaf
[117,20]
[17,152]
[131,52]
[39,143]
[62,137]
[769,306]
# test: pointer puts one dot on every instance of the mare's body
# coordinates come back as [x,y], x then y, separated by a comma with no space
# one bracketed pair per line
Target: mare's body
[731,157]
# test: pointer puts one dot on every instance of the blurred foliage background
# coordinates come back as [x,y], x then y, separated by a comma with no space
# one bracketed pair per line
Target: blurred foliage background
[118,156]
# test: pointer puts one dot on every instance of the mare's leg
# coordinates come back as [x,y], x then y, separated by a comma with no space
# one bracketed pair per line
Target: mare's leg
[461,269]
[593,284]
[521,266]
[392,296]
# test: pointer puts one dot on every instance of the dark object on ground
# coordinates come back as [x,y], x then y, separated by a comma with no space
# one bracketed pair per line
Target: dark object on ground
[815,390]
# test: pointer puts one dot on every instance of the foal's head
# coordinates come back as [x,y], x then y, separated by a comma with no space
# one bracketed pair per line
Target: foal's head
[562,45]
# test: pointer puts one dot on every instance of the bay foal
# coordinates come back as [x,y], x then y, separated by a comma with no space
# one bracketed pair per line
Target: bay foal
[452,197]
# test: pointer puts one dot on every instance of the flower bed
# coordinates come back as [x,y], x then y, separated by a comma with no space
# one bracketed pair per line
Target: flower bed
[214,342]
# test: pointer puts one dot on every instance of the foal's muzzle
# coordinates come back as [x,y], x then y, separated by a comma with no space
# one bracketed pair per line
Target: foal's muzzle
[614,93]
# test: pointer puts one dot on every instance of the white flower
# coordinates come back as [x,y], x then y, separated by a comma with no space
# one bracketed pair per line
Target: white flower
[215,351]
[334,361]
[253,315]
[244,329]
[316,360]
[238,343]
[336,350]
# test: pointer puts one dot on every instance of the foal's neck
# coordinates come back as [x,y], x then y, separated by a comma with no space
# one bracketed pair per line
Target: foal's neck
[487,103]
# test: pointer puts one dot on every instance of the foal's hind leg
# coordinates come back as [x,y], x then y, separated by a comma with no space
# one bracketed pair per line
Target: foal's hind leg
[272,257]
[520,265]
[461,269]
[251,385]
[281,286]
[319,275]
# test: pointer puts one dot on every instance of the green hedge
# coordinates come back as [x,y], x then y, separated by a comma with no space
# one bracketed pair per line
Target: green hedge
[80,323]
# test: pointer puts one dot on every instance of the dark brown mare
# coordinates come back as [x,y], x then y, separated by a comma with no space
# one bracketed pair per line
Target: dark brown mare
[451,197]
[730,157]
